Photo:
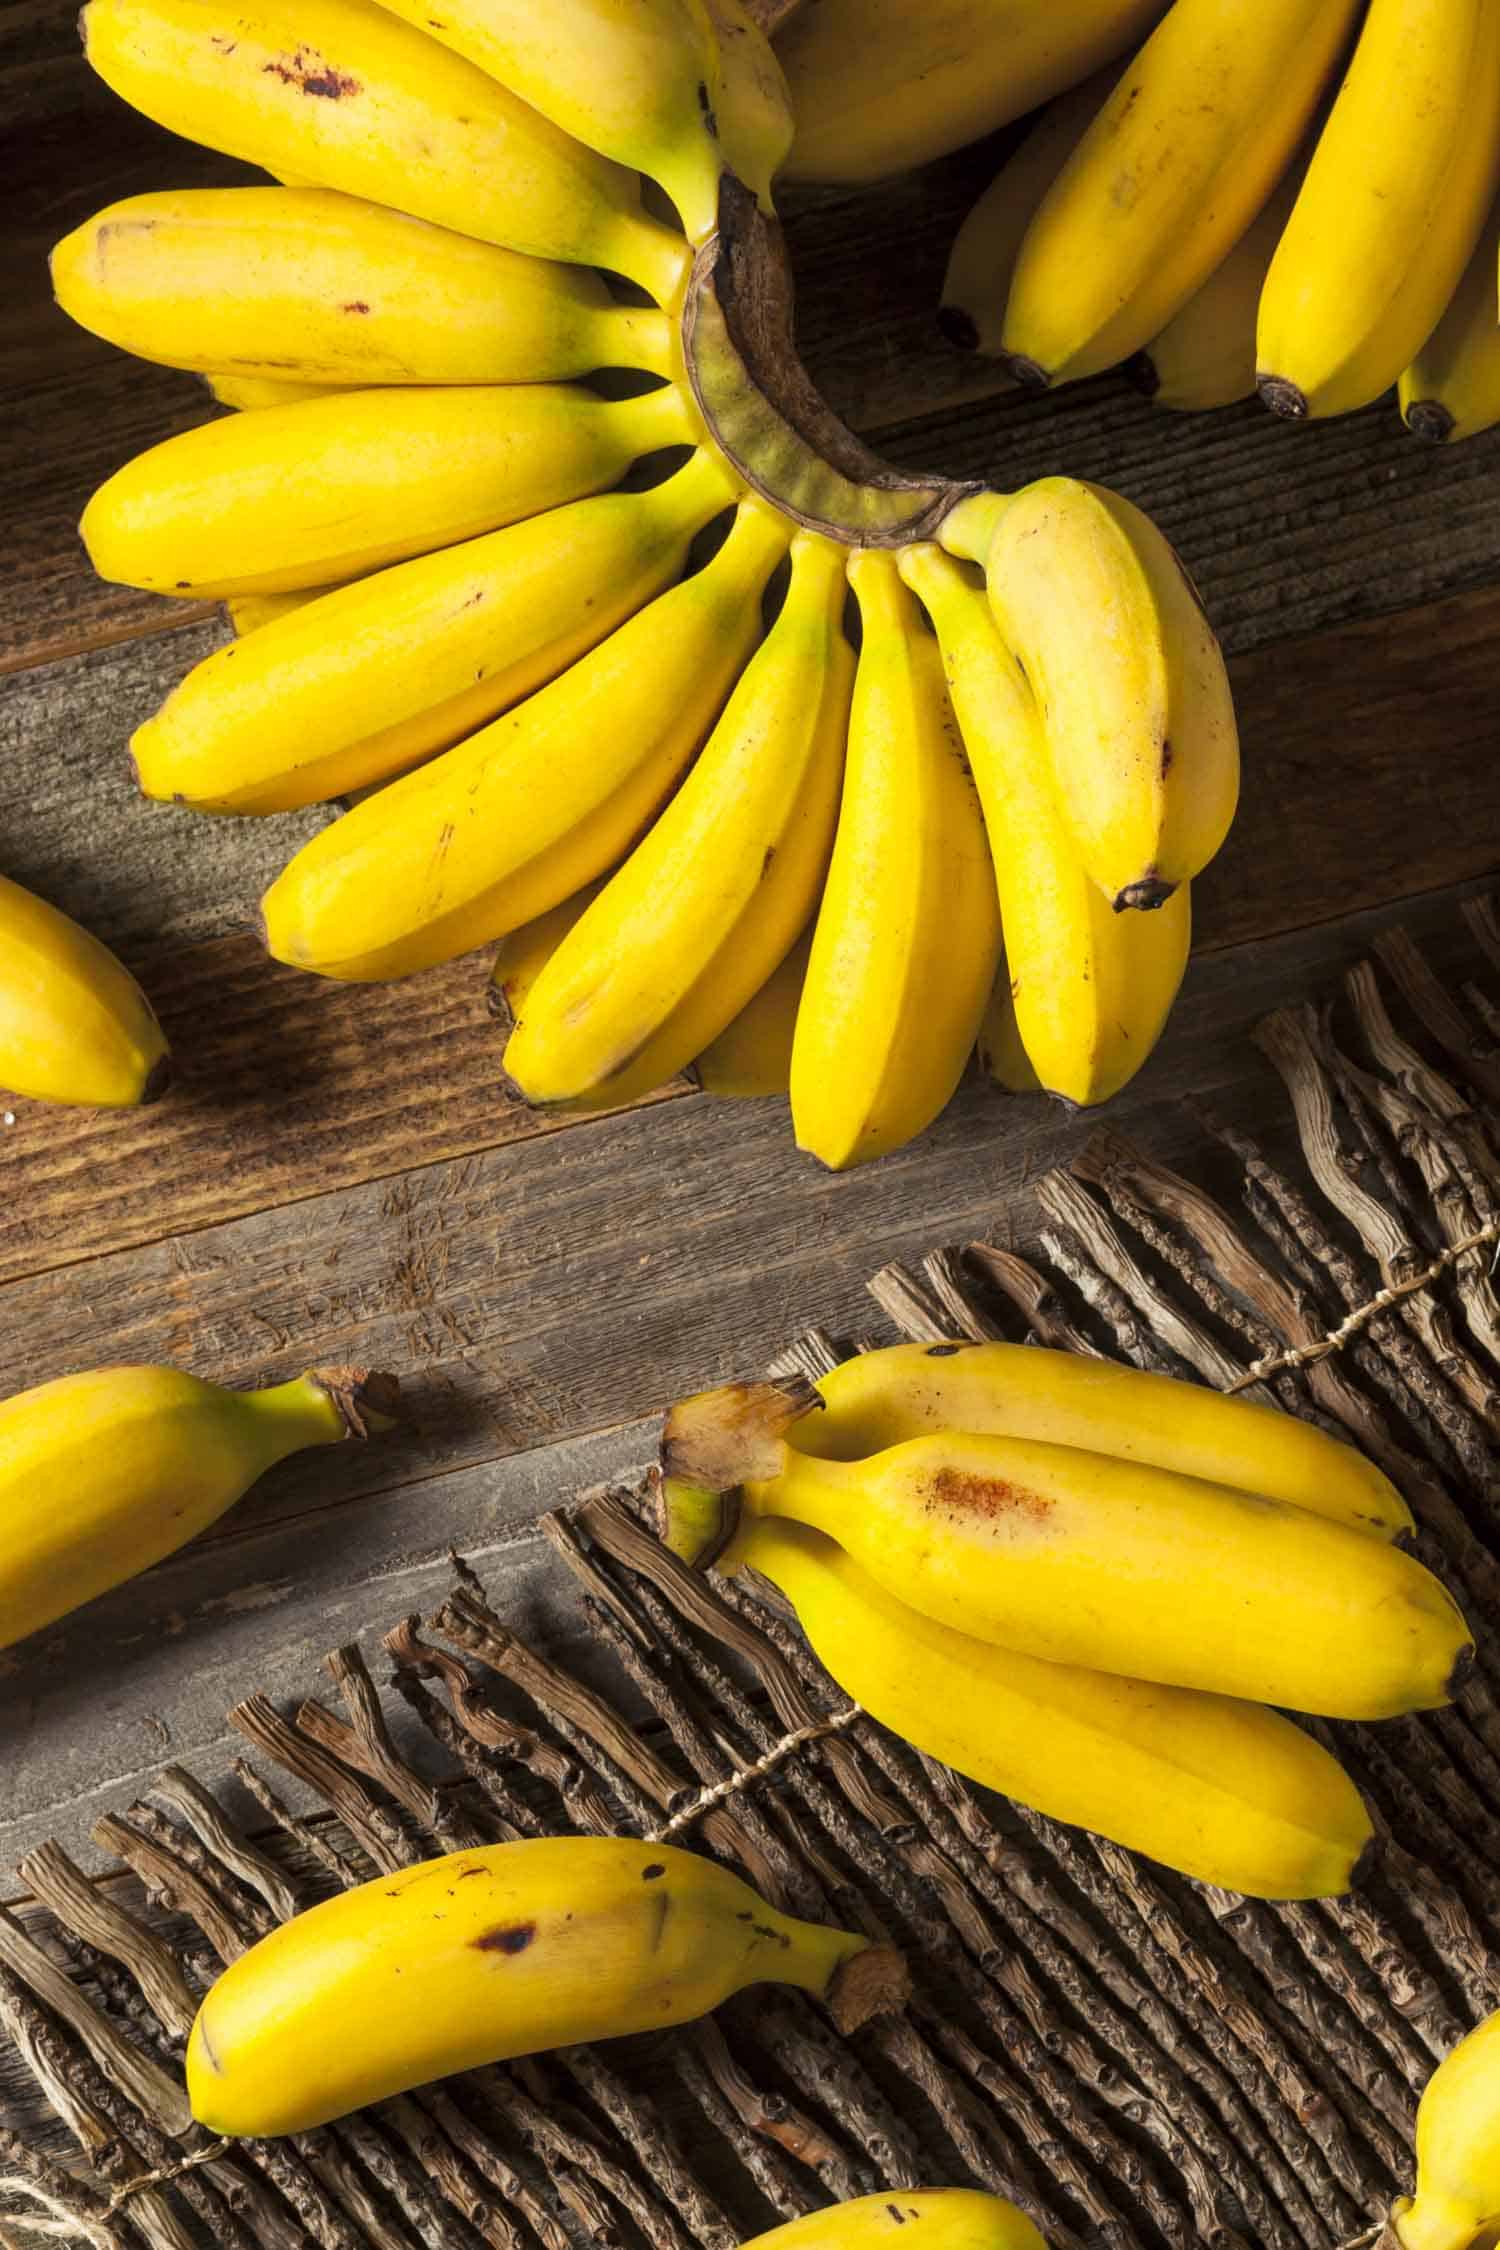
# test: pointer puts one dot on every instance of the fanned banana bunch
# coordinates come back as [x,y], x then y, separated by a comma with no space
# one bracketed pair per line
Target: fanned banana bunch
[74,1024]
[755,755]
[1083,1586]
[1295,197]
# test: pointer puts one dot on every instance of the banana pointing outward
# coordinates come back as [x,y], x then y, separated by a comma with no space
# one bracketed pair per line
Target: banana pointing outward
[487,1954]
[1452,388]
[533,807]
[363,684]
[74,1024]
[694,922]
[1135,704]
[1090,989]
[945,2219]
[1458,2151]
[752,1056]
[1205,356]
[908,933]
[103,1474]
[1082,1558]
[1219,1789]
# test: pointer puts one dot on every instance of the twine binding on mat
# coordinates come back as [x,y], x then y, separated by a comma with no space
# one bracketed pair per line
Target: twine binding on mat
[743,1778]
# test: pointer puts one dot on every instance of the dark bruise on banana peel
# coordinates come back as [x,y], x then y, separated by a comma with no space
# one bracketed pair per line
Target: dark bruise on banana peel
[710,1445]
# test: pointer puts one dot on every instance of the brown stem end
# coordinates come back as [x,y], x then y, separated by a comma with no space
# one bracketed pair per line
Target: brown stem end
[367,1400]
[1429,419]
[875,1982]
[1282,397]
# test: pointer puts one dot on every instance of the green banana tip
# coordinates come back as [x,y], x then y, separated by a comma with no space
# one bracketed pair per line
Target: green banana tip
[367,1400]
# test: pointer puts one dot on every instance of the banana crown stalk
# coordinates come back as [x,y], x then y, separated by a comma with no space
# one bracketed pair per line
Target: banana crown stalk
[1457,2198]
[488,1954]
[944,2218]
[74,1024]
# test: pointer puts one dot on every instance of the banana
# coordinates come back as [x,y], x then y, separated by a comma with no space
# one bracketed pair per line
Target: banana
[1167,178]
[487,1954]
[311,284]
[1452,387]
[74,1024]
[250,392]
[1205,356]
[324,490]
[1134,699]
[533,807]
[374,677]
[1002,1056]
[1394,201]
[523,953]
[879,86]
[881,1398]
[1090,989]
[705,907]
[945,2218]
[1458,2150]
[753,1055]
[346,96]
[1220,1790]
[247,612]
[753,114]
[101,1475]
[908,932]
[1083,1558]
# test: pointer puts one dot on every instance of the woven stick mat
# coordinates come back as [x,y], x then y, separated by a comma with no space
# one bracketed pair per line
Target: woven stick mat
[1136,2059]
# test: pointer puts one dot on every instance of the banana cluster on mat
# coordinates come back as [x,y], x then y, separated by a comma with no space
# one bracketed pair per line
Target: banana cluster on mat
[74,1024]
[1082,1585]
[589,661]
[1291,196]
[1457,2201]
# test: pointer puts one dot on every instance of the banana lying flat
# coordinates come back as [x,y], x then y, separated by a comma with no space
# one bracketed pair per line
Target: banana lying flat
[488,1954]
[944,2218]
[752,1056]
[1205,356]
[1457,2203]
[74,1024]
[1451,389]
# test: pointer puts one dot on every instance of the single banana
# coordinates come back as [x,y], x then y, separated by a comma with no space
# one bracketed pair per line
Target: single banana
[74,1024]
[526,812]
[712,899]
[881,1398]
[945,2219]
[250,392]
[371,679]
[1090,989]
[1083,1558]
[482,1955]
[320,286]
[1167,178]
[1452,387]
[908,933]
[753,113]
[324,490]
[1205,356]
[879,86]
[1457,2203]
[1002,1056]
[1221,1790]
[523,953]
[1135,702]
[1395,199]
[752,1056]
[346,96]
[248,612]
[101,1475]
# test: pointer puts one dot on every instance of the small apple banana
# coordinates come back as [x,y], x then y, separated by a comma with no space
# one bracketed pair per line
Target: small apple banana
[523,953]
[74,1024]
[945,2219]
[1451,389]
[1457,2202]
[1002,1057]
[752,1056]
[1205,356]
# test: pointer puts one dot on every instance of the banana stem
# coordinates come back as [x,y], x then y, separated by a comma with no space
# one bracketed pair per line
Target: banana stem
[966,531]
[323,1407]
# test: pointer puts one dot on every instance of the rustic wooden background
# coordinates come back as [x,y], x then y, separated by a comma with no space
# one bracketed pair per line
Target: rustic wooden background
[339,1174]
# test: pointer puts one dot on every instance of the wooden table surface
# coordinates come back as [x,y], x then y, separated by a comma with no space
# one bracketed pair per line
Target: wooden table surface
[339,1173]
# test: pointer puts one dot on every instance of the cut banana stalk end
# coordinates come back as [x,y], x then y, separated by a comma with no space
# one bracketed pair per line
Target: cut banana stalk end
[874,1983]
[368,1401]
[720,1439]
[1430,420]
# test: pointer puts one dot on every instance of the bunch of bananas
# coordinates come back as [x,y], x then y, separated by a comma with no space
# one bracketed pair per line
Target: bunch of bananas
[1080,1584]
[1457,2203]
[584,648]
[74,1024]
[1295,197]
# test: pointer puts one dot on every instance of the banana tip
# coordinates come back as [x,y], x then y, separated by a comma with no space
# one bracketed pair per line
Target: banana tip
[1140,369]
[1144,896]
[1029,373]
[1283,397]
[367,1400]
[1462,1672]
[875,1982]
[958,328]
[1429,419]
[158,1079]
[1366,1864]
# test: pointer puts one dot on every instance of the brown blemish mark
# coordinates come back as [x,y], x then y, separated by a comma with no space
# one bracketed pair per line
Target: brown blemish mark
[468,1871]
[960,1492]
[1166,757]
[768,862]
[311,75]
[707,108]
[661,1907]
[897,2213]
[225,46]
[777,1937]
[650,1874]
[509,1937]
[355,305]
[206,2044]
[942,1351]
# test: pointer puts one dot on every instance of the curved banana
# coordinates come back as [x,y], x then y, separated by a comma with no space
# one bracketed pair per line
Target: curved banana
[1452,388]
[1135,702]
[945,2219]
[103,1474]
[74,1024]
[1090,989]
[324,490]
[753,1055]
[753,114]
[308,283]
[1221,1790]
[881,1398]
[366,682]
[1395,198]
[711,900]
[526,812]
[1082,1558]
[523,953]
[1168,177]
[345,95]
[1458,2150]
[1002,1056]
[908,932]
[879,86]
[503,1951]
[1205,356]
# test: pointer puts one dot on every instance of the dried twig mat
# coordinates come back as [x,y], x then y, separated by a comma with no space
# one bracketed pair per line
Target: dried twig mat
[1136,2059]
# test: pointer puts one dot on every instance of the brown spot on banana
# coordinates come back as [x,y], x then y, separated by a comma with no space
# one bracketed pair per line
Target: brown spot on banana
[960,1492]
[509,1937]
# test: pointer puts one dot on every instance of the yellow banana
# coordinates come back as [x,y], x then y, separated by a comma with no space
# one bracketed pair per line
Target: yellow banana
[74,1024]
[1135,703]
[753,1055]
[753,113]
[879,85]
[523,953]
[313,493]
[481,1955]
[346,96]
[1083,1558]
[1002,1056]
[1452,387]
[1205,356]
[1090,989]
[1219,1789]
[374,677]
[250,392]
[1394,201]
[1458,2151]
[533,807]
[315,285]
[908,933]
[248,612]
[945,2219]
[881,1398]
[103,1474]
[706,905]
